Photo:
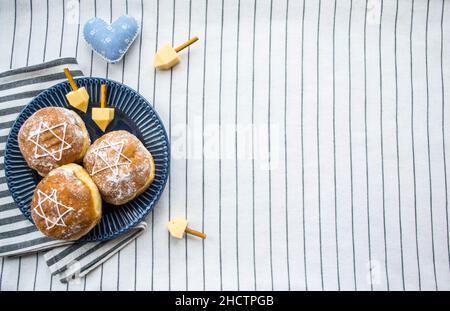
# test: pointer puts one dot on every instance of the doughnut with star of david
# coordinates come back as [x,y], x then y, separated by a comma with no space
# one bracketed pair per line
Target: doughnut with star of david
[120,165]
[53,137]
[66,204]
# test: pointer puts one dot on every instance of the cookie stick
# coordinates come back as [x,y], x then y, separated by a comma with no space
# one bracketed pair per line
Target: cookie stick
[102,116]
[167,56]
[178,227]
[78,97]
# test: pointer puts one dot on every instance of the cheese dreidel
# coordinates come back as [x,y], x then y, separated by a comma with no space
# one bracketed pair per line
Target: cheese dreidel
[78,97]
[102,116]
[167,56]
[179,226]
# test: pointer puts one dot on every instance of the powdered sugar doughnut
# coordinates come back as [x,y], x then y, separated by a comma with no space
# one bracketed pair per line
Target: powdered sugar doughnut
[52,137]
[120,165]
[66,204]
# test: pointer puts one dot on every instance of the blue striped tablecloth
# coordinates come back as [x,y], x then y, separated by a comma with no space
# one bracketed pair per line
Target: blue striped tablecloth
[340,185]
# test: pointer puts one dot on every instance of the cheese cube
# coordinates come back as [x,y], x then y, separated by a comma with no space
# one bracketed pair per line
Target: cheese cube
[166,57]
[102,117]
[177,227]
[79,99]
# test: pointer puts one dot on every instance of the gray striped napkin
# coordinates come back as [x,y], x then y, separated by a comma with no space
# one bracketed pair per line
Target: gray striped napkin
[18,236]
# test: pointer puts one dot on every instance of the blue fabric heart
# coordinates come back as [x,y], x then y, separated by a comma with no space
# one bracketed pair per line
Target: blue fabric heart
[111,41]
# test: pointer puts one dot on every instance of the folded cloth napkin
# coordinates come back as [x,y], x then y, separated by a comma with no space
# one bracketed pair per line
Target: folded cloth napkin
[18,236]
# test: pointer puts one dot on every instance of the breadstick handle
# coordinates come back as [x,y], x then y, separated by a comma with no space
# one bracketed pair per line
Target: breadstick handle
[186,44]
[196,233]
[69,77]
[103,96]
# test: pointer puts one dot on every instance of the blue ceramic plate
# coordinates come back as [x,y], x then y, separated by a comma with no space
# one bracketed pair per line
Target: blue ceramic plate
[133,114]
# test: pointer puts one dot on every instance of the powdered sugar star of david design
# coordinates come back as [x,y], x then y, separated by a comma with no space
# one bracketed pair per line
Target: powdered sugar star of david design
[114,162]
[52,198]
[55,154]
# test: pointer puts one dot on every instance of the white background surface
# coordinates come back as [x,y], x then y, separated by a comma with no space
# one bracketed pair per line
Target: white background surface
[358,141]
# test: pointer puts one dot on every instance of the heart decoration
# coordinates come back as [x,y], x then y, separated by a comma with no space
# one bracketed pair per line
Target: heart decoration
[111,41]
